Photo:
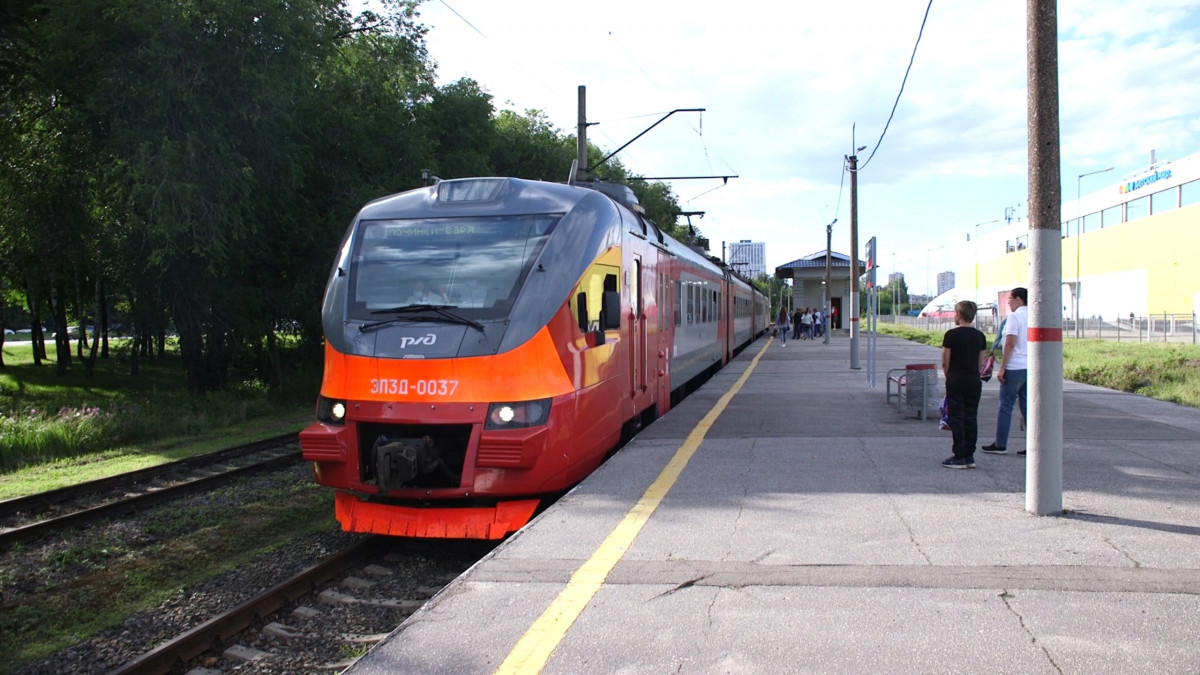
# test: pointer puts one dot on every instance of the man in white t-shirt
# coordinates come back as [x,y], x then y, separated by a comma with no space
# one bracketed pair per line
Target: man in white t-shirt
[1012,371]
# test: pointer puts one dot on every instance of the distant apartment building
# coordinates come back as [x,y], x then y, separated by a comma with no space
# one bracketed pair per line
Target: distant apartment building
[945,281]
[748,258]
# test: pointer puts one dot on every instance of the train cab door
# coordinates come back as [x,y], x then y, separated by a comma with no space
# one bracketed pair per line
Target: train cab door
[638,331]
[665,335]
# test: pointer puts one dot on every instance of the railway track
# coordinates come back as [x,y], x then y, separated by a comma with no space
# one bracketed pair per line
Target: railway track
[27,518]
[322,618]
[338,596]
[227,625]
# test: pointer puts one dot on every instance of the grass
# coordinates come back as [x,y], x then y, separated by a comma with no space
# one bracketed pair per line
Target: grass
[57,429]
[1167,372]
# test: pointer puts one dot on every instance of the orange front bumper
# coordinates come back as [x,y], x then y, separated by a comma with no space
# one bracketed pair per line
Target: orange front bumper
[484,522]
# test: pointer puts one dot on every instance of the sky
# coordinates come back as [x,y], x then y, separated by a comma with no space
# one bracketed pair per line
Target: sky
[790,89]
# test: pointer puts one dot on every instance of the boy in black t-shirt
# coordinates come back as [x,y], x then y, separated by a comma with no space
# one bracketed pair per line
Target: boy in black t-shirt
[963,351]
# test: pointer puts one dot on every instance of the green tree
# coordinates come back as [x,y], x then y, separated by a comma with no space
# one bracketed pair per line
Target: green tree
[462,130]
[192,166]
[662,207]
[188,130]
[529,146]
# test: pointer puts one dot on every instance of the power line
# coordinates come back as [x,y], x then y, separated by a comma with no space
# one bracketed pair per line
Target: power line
[464,19]
[519,64]
[902,83]
[837,209]
[635,61]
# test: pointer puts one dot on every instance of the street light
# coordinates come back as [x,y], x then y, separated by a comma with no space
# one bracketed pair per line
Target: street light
[975,249]
[1078,235]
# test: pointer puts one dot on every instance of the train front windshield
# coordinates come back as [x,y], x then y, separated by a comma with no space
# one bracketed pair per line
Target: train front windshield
[475,265]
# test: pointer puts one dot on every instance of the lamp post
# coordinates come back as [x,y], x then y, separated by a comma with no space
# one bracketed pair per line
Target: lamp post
[1078,235]
[827,291]
[975,249]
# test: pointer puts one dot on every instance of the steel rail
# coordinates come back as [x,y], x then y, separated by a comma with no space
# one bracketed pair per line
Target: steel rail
[40,500]
[143,500]
[215,631]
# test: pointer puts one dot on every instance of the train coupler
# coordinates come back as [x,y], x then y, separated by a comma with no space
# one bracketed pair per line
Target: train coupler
[399,462]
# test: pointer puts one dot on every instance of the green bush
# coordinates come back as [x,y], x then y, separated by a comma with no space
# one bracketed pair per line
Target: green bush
[47,417]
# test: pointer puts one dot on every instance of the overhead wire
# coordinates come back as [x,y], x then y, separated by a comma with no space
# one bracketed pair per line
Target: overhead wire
[635,61]
[464,19]
[902,83]
[837,209]
[699,131]
[531,72]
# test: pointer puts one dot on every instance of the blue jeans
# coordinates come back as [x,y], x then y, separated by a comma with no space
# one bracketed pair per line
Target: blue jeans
[783,331]
[1012,389]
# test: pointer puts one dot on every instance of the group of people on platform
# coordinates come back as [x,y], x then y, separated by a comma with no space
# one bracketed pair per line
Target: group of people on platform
[806,323]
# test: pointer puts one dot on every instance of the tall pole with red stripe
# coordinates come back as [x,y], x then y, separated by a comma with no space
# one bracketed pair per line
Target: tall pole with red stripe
[852,161]
[1043,463]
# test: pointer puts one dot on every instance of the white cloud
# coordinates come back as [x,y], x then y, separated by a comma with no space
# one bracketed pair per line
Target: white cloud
[784,85]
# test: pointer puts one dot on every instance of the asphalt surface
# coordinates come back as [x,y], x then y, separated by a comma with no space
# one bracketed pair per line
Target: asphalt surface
[813,530]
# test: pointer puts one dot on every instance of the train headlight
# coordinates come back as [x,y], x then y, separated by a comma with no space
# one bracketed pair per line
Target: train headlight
[331,411]
[518,415]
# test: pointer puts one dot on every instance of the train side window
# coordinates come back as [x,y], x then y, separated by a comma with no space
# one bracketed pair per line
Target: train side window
[589,296]
[581,314]
[637,288]
[610,313]
[610,301]
[678,302]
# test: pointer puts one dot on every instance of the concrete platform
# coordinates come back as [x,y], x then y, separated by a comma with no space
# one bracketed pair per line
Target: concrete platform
[808,527]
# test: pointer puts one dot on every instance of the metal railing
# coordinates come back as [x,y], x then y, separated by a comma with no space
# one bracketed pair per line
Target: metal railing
[1165,327]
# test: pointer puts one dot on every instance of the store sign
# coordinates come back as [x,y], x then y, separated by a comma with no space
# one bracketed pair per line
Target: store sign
[1142,182]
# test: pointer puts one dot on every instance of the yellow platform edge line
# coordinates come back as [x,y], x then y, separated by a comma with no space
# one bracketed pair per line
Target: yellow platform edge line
[533,650]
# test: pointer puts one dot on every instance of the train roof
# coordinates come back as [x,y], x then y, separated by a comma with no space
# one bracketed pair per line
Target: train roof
[475,196]
[500,196]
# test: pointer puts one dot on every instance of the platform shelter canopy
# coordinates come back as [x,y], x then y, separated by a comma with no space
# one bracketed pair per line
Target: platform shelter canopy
[812,266]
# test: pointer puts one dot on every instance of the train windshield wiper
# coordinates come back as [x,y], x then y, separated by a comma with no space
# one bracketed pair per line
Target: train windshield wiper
[440,314]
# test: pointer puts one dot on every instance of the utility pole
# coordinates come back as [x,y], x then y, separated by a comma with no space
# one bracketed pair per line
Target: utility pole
[828,278]
[853,313]
[582,172]
[581,159]
[1043,466]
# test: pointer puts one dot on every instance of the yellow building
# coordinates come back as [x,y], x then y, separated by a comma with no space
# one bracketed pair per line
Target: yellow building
[1129,248]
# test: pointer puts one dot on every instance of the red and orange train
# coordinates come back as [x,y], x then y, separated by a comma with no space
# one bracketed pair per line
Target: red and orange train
[489,341]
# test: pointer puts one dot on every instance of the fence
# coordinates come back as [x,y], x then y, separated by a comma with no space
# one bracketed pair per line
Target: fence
[1164,327]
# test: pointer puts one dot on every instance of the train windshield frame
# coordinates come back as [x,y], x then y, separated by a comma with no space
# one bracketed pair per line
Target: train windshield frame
[475,265]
